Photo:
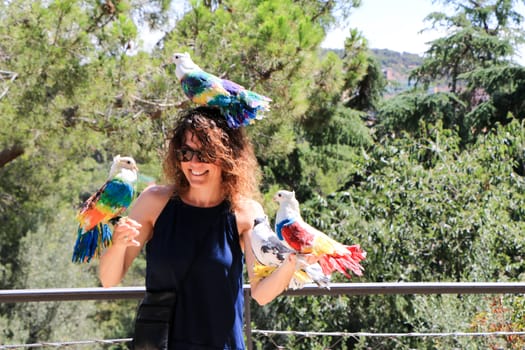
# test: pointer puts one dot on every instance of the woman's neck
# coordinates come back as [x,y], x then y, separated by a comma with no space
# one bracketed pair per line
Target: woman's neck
[202,198]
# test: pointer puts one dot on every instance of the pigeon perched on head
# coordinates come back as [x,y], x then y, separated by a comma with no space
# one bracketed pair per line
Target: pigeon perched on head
[238,105]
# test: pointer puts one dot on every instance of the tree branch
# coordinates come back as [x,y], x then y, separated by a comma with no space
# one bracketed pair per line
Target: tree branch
[9,154]
[178,104]
[4,75]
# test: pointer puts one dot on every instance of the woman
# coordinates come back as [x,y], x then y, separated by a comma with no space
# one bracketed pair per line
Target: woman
[196,230]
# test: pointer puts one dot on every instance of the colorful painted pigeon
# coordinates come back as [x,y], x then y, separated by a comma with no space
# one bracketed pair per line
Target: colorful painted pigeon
[103,207]
[271,252]
[238,105]
[333,256]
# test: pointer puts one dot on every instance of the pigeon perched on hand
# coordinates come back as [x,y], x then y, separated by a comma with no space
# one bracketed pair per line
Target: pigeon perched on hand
[271,252]
[238,105]
[304,238]
[103,207]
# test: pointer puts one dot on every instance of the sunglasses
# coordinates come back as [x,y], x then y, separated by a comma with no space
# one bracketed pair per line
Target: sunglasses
[186,155]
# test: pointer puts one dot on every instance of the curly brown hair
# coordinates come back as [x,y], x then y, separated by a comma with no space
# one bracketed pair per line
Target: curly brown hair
[230,148]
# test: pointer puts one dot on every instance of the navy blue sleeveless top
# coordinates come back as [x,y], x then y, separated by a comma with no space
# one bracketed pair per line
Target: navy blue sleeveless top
[196,251]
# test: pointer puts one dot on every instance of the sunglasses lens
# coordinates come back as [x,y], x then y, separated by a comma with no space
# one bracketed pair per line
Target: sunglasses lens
[186,155]
[202,158]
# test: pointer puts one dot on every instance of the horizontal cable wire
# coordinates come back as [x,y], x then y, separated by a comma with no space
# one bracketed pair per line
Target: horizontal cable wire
[295,333]
[66,343]
[387,335]
[288,333]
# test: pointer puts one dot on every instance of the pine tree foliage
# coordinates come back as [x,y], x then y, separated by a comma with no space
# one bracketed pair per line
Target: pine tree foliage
[475,58]
[481,34]
[404,112]
[498,92]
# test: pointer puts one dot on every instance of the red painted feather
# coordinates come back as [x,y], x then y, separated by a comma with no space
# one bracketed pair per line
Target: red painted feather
[341,257]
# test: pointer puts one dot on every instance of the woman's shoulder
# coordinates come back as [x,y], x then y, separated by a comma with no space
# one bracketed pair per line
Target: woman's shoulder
[158,191]
[249,205]
[150,203]
[155,195]
[246,212]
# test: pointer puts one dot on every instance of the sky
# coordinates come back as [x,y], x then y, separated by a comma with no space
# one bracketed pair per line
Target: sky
[386,24]
[391,24]
[394,25]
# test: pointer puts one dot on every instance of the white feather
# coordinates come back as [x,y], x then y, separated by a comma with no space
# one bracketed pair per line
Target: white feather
[184,64]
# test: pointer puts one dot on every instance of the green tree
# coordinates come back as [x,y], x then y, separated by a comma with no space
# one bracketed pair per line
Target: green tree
[404,112]
[498,93]
[68,105]
[475,58]
[480,34]
[429,211]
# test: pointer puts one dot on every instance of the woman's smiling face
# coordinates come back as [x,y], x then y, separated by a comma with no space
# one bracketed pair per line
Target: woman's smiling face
[197,172]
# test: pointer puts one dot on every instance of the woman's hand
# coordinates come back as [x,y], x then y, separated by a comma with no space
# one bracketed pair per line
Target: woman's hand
[126,232]
[310,259]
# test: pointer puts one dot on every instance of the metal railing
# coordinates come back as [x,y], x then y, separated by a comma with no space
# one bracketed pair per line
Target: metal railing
[384,288]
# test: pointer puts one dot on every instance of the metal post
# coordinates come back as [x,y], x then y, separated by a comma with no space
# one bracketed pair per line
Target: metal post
[247,319]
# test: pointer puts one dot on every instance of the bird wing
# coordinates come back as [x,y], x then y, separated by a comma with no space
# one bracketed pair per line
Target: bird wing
[307,239]
[270,253]
[204,88]
[267,248]
[108,202]
[231,87]
[275,250]
[250,98]
[298,237]
[333,255]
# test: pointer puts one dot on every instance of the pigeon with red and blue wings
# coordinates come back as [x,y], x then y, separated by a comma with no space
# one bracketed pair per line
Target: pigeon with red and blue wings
[304,238]
[270,253]
[237,104]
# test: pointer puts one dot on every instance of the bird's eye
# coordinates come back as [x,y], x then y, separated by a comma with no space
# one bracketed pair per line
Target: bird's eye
[279,195]
[129,162]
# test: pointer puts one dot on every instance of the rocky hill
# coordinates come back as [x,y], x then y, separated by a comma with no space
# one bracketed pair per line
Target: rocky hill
[398,63]
[396,66]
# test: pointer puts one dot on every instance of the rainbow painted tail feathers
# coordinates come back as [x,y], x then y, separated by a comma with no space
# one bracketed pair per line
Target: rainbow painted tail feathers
[91,243]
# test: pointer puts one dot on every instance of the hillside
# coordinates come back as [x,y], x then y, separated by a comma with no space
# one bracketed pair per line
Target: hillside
[396,66]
